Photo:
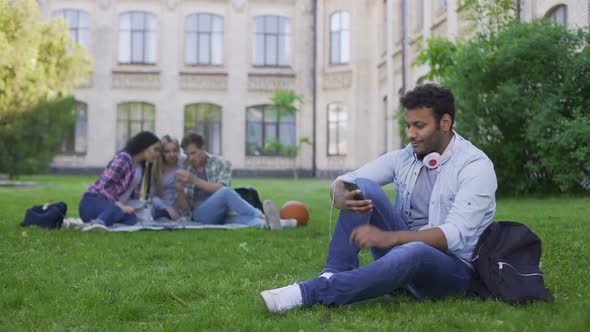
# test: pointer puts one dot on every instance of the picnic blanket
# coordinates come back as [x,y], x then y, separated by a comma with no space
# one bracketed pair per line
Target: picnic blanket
[154,225]
[145,221]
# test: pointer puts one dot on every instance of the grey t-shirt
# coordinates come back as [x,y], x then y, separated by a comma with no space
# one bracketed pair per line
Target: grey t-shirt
[136,181]
[168,198]
[420,199]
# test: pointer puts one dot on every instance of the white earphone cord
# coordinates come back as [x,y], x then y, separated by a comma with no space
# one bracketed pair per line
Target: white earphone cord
[331,208]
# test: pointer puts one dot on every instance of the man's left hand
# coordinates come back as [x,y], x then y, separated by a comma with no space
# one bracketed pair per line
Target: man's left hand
[369,236]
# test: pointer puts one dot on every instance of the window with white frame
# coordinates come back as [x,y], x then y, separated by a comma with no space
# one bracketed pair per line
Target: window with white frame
[337,128]
[138,38]
[203,39]
[340,37]
[76,137]
[269,132]
[133,118]
[558,14]
[78,25]
[205,120]
[271,41]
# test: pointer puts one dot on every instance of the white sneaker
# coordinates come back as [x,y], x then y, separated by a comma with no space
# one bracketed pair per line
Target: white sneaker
[96,227]
[282,299]
[73,223]
[273,220]
[288,223]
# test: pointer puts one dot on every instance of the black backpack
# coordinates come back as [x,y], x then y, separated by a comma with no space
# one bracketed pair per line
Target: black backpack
[250,195]
[46,216]
[506,260]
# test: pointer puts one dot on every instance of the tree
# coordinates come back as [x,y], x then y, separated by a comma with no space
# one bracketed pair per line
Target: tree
[490,17]
[523,97]
[39,63]
[283,102]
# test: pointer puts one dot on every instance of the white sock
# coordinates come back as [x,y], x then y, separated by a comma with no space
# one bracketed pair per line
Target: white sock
[283,299]
[327,275]
[289,223]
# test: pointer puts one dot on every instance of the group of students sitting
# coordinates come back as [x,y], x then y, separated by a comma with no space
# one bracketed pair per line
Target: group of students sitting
[194,187]
[423,244]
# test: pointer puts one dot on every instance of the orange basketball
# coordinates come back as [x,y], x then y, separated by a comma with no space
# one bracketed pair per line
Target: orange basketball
[295,210]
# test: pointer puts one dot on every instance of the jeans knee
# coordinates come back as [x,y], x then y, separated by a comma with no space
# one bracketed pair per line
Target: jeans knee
[417,250]
[412,251]
[368,187]
[223,191]
[416,246]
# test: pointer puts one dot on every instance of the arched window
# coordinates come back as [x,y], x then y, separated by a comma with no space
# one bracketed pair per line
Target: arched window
[138,38]
[132,118]
[271,41]
[205,119]
[203,35]
[337,128]
[558,14]
[76,139]
[269,132]
[340,37]
[78,25]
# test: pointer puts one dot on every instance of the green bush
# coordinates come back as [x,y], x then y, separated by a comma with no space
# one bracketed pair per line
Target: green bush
[30,139]
[523,97]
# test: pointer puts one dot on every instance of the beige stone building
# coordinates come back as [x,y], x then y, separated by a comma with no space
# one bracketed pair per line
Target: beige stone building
[211,66]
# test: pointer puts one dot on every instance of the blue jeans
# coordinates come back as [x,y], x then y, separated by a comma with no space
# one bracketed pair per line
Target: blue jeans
[424,271]
[226,207]
[160,212]
[95,207]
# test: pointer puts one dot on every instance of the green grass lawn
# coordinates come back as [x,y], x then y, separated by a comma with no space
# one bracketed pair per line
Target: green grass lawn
[211,279]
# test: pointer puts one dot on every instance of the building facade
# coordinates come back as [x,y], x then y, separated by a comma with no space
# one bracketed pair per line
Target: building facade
[212,66]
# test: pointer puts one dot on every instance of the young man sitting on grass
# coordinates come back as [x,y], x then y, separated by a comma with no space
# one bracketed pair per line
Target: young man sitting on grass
[445,198]
[203,192]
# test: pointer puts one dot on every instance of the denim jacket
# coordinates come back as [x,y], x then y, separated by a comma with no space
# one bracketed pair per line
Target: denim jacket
[462,203]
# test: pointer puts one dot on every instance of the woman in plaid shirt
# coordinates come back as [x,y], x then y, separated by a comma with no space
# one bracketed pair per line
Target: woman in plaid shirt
[105,202]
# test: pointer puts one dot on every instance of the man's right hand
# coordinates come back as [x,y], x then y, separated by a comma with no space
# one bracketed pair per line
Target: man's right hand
[344,199]
[183,176]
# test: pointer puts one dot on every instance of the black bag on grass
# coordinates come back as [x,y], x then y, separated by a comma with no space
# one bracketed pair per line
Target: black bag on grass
[250,195]
[46,216]
[506,260]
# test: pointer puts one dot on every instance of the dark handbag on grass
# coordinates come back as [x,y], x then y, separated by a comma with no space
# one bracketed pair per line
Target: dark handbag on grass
[250,195]
[506,260]
[46,216]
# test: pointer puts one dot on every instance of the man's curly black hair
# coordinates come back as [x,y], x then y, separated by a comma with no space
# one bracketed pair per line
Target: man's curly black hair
[430,95]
